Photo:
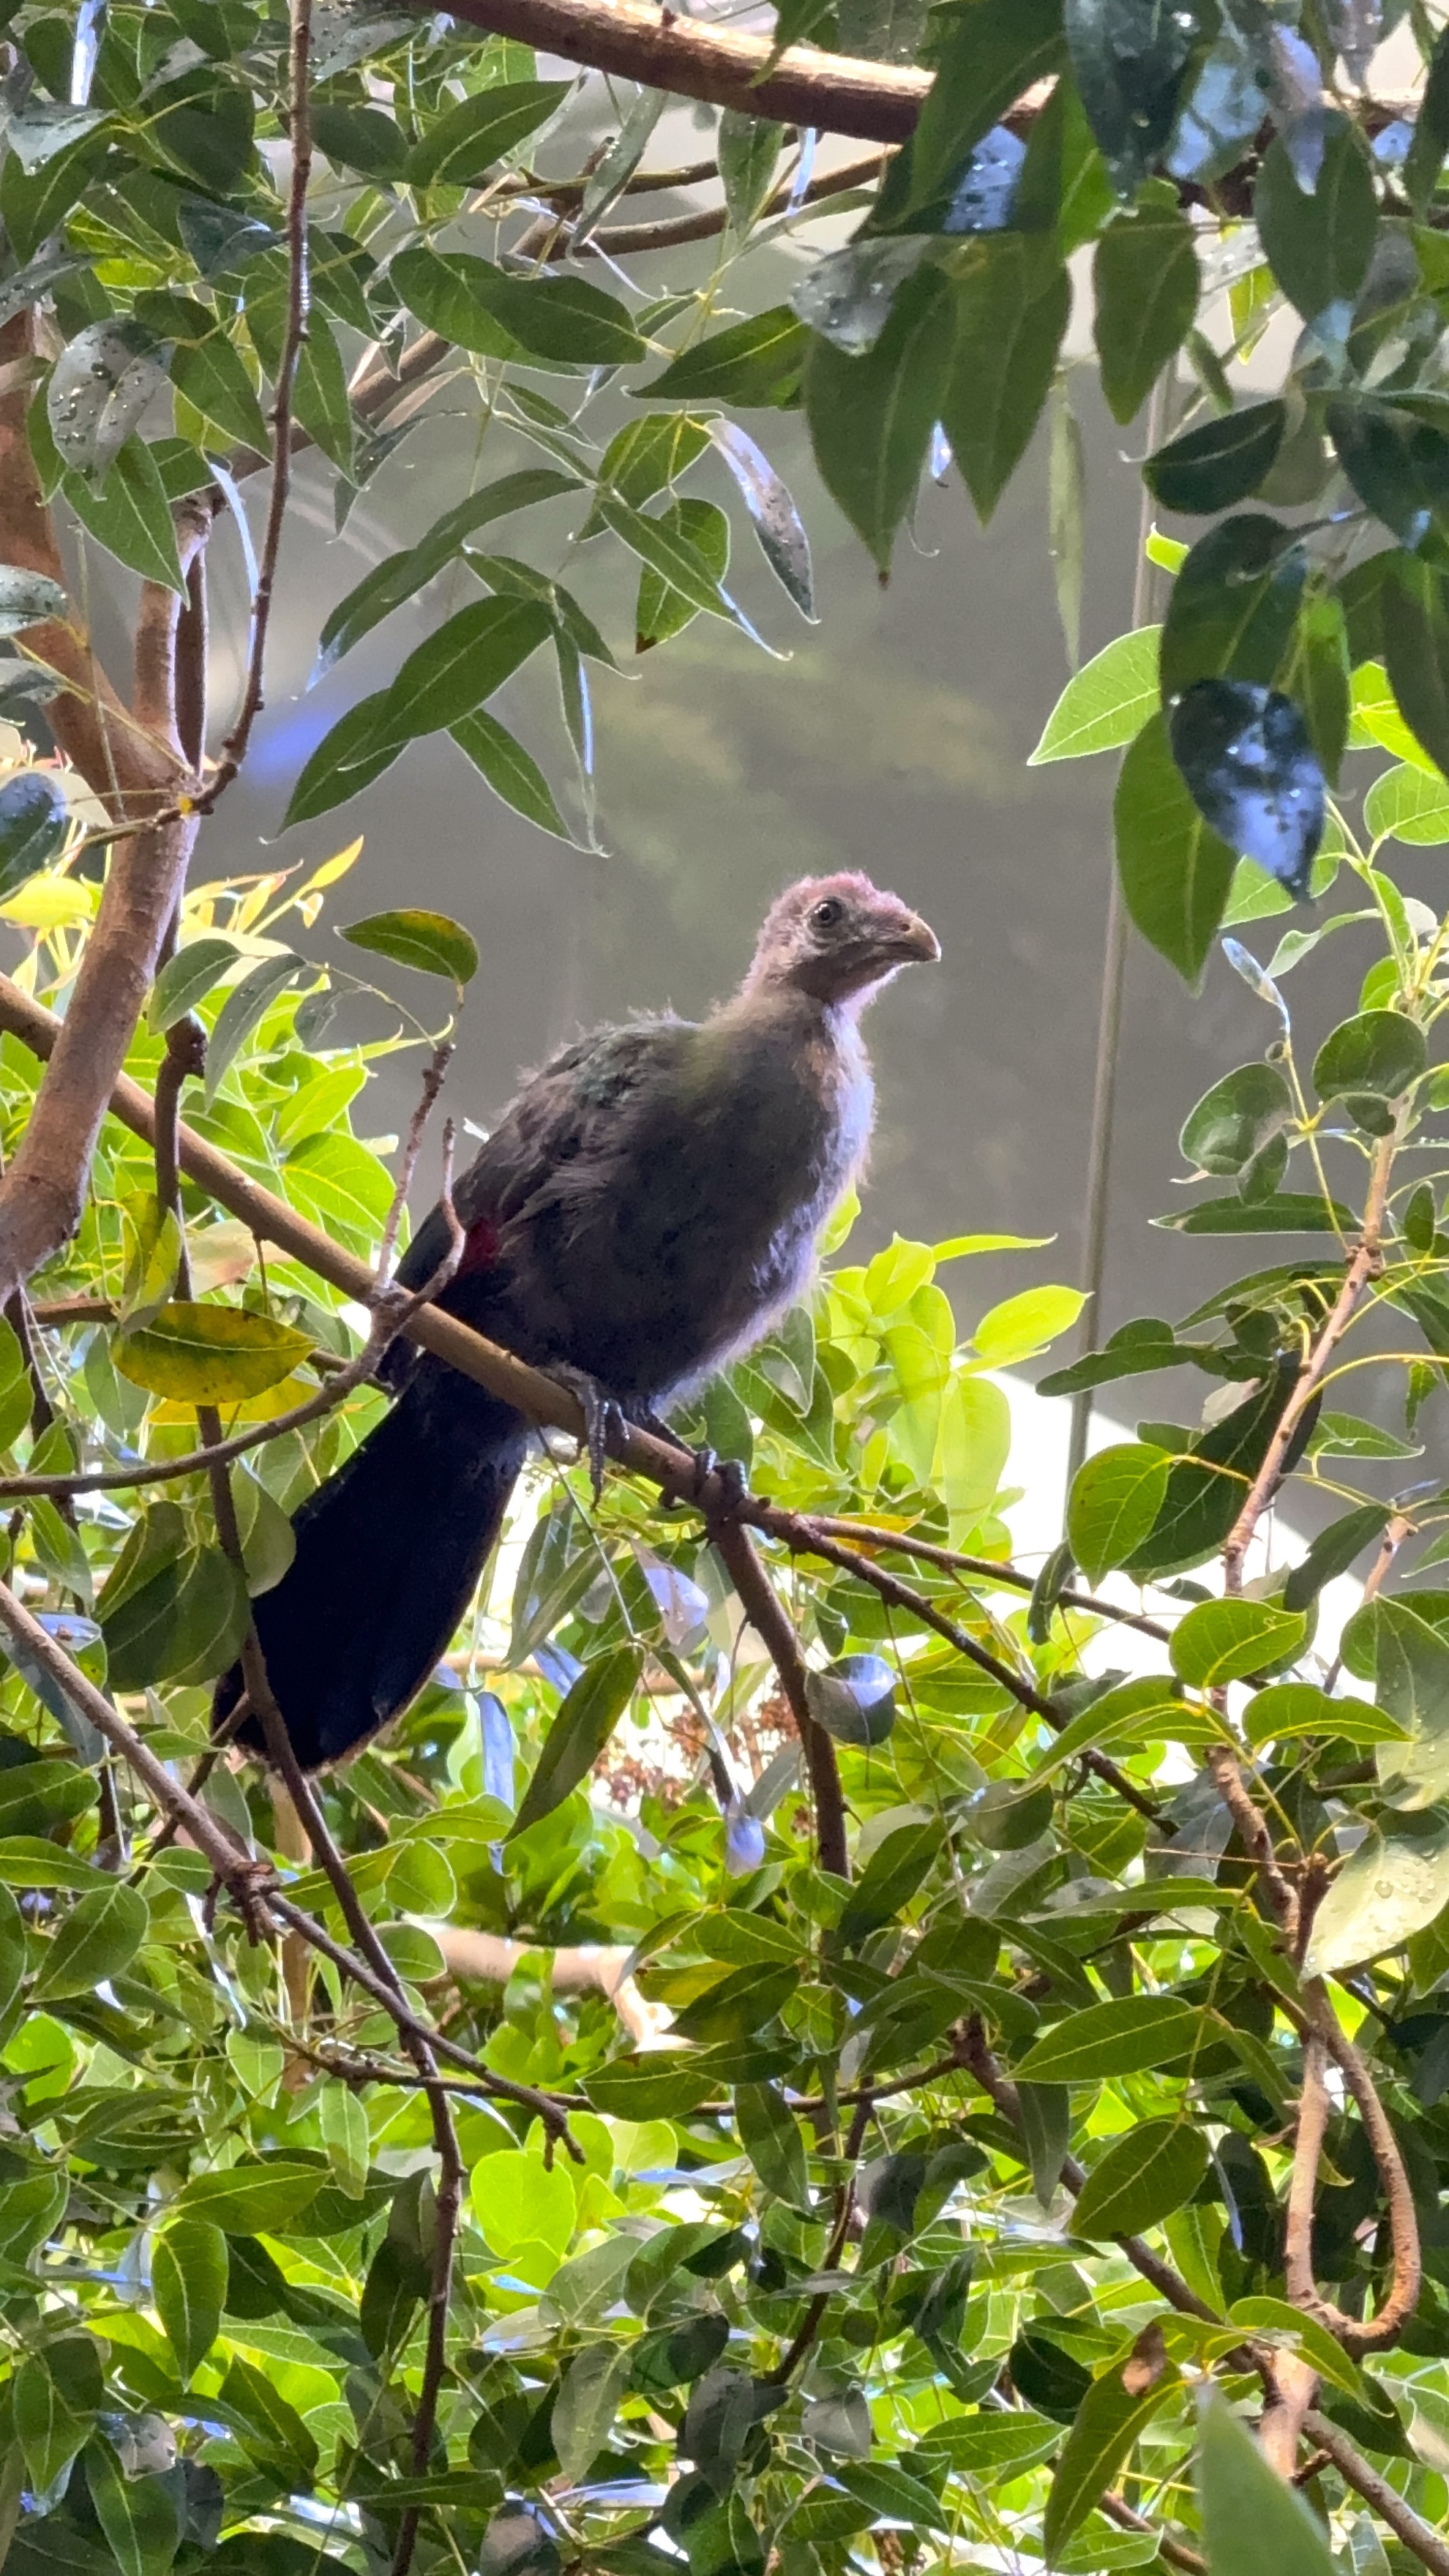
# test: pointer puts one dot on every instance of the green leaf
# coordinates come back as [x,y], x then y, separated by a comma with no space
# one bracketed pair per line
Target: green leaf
[752,363]
[200,1354]
[1286,1212]
[211,375]
[1116,1496]
[661,610]
[461,665]
[27,599]
[1124,2037]
[666,2084]
[355,753]
[1023,1325]
[1416,650]
[586,2404]
[1377,1051]
[1253,2522]
[585,1721]
[1236,1119]
[245,1007]
[1424,161]
[30,2212]
[511,772]
[1318,246]
[1408,804]
[430,941]
[770,2136]
[1046,2125]
[401,576]
[189,2269]
[360,138]
[1012,296]
[1409,1662]
[871,417]
[1224,460]
[50,2428]
[1224,1641]
[555,319]
[250,2199]
[1333,1551]
[184,1623]
[34,824]
[98,1936]
[665,547]
[269,2428]
[346,2138]
[1141,2179]
[1105,703]
[460,150]
[992,52]
[1108,2422]
[1146,282]
[1388,1889]
[129,514]
[187,978]
[749,153]
[1233,604]
[1175,873]
[137,2515]
[1287,1710]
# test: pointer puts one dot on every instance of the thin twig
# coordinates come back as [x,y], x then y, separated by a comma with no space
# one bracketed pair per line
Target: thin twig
[761,1607]
[299,127]
[991,1569]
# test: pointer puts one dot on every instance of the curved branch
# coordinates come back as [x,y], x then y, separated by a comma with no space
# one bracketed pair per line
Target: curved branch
[837,93]
[757,1599]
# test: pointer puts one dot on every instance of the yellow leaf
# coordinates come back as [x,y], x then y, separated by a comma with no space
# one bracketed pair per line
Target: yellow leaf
[331,869]
[281,1398]
[208,1354]
[50,903]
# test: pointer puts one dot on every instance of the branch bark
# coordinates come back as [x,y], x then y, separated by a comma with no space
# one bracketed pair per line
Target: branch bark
[757,1599]
[839,94]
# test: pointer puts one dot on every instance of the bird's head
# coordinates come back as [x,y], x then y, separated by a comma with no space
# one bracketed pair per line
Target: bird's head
[838,939]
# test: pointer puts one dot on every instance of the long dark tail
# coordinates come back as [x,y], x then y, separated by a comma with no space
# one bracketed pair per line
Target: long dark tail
[388,1554]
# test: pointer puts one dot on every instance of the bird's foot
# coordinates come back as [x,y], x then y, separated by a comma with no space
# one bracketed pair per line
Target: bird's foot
[602,1417]
[731,1475]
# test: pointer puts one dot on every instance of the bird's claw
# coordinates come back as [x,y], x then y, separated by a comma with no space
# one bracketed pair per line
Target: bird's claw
[731,1475]
[602,1417]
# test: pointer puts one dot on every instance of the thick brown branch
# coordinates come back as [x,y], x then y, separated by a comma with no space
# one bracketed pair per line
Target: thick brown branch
[877,101]
[1427,2545]
[1384,2328]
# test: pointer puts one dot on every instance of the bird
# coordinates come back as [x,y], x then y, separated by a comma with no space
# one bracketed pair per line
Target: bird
[645,1209]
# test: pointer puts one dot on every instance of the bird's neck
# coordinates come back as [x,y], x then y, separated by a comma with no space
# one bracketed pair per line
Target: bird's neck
[780,1009]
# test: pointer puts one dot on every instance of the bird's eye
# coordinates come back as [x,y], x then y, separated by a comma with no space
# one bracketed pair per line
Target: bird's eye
[825,915]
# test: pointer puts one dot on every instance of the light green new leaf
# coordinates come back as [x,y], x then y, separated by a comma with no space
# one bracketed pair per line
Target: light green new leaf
[1023,1325]
[1408,804]
[1105,704]
[189,2268]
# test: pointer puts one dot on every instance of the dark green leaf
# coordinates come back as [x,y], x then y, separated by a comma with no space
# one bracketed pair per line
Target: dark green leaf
[1332,1553]
[749,151]
[1254,2523]
[1210,468]
[1115,1498]
[1236,1119]
[96,1939]
[462,147]
[511,772]
[1124,2037]
[579,1733]
[1145,276]
[250,2199]
[1398,464]
[1377,1051]
[755,362]
[1176,873]
[1107,2424]
[401,576]
[1416,649]
[871,417]
[1012,296]
[1225,1641]
[854,1700]
[1425,159]
[34,823]
[992,52]
[1233,604]
[188,2282]
[1318,246]
[212,376]
[771,2138]
[360,138]
[1285,1212]
[1141,2180]
[1129,57]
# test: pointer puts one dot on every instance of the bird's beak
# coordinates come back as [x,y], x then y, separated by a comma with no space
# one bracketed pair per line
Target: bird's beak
[916,942]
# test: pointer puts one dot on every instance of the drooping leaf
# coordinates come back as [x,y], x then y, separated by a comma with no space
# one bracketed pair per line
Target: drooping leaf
[1012,296]
[1390,1887]
[34,823]
[1176,872]
[757,361]
[1233,604]
[1253,774]
[1398,464]
[462,147]
[1416,650]
[1107,2424]
[770,2136]
[871,417]
[511,772]
[854,1699]
[401,576]
[1253,2521]
[189,2269]
[1145,276]
[1318,245]
[1129,57]
[585,1721]
[776,521]
[992,54]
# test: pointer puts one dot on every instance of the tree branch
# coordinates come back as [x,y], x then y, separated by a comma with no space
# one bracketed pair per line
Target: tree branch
[1366,2481]
[837,93]
[757,1599]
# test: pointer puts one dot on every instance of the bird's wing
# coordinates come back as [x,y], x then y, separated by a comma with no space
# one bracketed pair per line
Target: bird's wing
[571,1110]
